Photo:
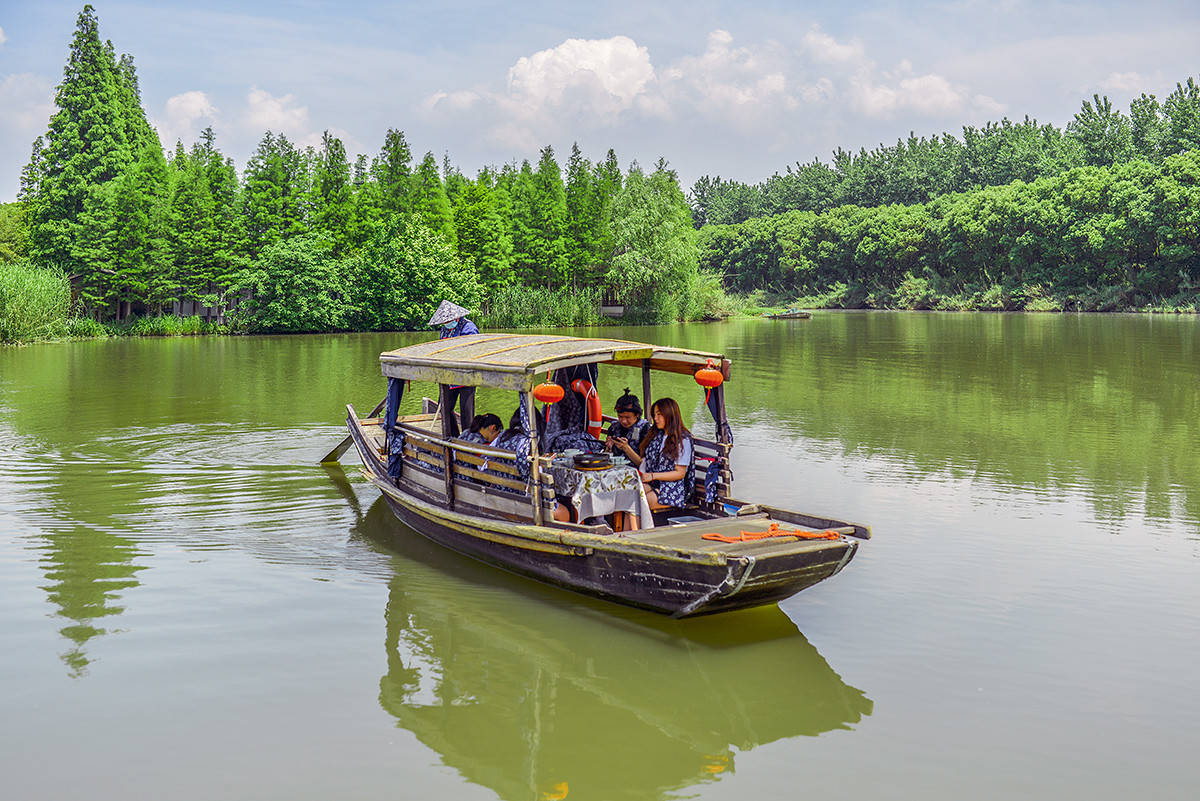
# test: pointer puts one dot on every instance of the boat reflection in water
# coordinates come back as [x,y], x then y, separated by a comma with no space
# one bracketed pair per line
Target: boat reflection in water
[539,693]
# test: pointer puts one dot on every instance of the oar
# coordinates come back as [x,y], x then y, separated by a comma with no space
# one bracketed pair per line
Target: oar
[344,445]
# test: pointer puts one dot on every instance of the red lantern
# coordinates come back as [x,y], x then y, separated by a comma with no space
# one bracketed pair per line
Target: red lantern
[548,392]
[709,376]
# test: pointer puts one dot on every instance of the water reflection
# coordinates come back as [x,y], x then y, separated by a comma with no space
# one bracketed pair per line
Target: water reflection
[539,694]
[1101,406]
[88,570]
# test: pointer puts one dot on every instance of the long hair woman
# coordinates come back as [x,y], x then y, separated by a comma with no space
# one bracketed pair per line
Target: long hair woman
[668,458]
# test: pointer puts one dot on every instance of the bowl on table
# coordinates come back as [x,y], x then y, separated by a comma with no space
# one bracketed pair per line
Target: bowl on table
[592,461]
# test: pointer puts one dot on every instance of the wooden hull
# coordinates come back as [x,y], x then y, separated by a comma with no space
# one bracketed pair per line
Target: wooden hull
[674,580]
[799,315]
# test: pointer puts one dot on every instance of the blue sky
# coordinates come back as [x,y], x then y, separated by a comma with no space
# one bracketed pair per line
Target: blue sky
[740,90]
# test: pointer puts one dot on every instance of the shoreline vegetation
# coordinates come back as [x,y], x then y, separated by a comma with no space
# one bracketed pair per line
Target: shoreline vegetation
[112,235]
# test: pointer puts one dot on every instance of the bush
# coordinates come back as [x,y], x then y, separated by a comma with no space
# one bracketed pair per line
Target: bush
[87,328]
[35,302]
[297,286]
[401,276]
[915,293]
[164,326]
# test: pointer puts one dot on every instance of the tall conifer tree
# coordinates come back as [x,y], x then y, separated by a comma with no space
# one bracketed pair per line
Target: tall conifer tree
[275,193]
[429,201]
[392,170]
[483,241]
[332,195]
[97,132]
[550,220]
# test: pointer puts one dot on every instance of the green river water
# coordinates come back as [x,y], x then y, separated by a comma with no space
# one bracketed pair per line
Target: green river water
[191,608]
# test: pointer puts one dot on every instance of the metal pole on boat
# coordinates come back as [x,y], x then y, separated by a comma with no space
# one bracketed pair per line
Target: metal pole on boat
[535,475]
[647,401]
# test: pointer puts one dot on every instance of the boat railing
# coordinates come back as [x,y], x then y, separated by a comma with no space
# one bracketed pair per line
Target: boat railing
[706,452]
[469,477]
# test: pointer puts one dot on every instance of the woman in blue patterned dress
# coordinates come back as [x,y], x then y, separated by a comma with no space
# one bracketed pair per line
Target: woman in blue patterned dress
[484,429]
[667,458]
[517,438]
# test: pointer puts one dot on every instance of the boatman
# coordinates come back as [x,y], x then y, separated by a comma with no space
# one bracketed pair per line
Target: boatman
[452,320]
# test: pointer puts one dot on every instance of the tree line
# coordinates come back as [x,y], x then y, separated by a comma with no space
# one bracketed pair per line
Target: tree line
[920,169]
[1093,238]
[306,239]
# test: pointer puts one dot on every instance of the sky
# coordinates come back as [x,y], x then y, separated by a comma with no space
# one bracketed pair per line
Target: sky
[740,90]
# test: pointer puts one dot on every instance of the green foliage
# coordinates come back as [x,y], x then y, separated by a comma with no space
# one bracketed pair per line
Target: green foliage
[656,257]
[14,231]
[35,303]
[482,236]
[401,276]
[392,174]
[920,169]
[1104,135]
[297,286]
[332,200]
[1010,215]
[276,193]
[87,328]
[97,133]
[1123,237]
[429,201]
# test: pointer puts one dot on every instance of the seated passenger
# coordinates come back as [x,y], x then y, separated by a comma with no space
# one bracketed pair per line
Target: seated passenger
[667,458]
[626,433]
[484,430]
[516,439]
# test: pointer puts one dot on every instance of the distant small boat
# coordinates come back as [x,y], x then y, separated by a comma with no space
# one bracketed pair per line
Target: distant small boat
[790,314]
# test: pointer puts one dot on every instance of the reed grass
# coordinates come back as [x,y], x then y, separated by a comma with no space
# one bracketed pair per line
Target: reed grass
[35,302]
[536,307]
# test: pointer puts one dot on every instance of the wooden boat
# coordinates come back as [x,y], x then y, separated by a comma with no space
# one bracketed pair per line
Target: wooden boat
[472,498]
[790,314]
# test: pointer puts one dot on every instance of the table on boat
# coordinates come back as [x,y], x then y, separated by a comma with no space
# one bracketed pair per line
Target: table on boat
[595,493]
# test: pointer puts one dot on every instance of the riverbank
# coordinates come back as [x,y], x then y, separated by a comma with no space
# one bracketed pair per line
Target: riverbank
[171,326]
[922,294]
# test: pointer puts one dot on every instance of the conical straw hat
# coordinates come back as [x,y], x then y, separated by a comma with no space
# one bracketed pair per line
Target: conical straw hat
[446,312]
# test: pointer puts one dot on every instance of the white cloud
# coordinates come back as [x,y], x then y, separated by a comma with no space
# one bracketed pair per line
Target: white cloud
[824,48]
[737,91]
[28,102]
[733,80]
[456,101]
[3,38]
[988,105]
[183,115]
[265,112]
[930,95]
[1124,82]
[607,75]
[581,82]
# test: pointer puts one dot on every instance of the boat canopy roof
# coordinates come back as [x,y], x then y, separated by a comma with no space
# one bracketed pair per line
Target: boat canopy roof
[517,361]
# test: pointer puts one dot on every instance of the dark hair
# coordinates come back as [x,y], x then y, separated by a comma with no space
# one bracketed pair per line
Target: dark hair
[673,429]
[628,403]
[514,423]
[482,421]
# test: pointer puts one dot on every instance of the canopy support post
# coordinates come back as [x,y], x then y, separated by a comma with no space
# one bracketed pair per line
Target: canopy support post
[647,402]
[535,470]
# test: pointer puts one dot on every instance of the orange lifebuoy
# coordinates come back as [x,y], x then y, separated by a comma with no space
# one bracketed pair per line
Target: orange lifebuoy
[595,414]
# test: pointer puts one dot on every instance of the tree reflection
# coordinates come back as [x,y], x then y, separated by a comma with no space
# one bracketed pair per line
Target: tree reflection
[88,570]
[538,693]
